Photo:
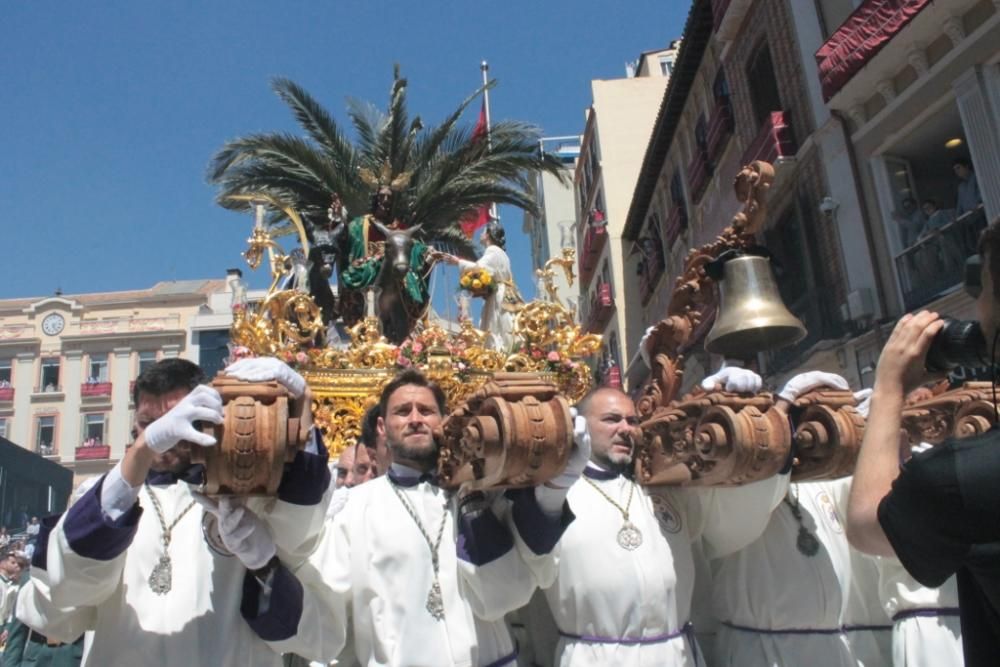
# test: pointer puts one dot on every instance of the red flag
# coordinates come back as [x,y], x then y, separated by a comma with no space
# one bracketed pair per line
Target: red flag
[478,218]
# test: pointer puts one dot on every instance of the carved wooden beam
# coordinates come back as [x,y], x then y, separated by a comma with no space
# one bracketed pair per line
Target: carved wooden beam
[960,413]
[255,441]
[514,431]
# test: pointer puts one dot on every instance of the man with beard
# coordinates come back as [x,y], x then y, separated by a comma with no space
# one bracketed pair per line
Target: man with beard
[429,582]
[161,573]
[626,571]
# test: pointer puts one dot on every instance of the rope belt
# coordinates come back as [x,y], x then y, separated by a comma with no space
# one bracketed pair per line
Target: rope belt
[807,631]
[924,612]
[686,631]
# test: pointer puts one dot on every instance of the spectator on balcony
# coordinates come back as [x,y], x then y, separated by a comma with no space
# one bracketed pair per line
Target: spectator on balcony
[911,221]
[969,197]
[4,537]
[4,384]
[33,528]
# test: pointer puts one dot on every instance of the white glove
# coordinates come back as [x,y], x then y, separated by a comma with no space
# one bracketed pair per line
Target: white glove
[734,379]
[202,404]
[806,382]
[864,399]
[644,346]
[242,531]
[552,494]
[265,369]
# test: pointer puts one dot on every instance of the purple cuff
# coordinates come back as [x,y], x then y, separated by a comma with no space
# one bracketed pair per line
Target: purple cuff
[40,558]
[281,620]
[306,478]
[92,534]
[482,538]
[538,530]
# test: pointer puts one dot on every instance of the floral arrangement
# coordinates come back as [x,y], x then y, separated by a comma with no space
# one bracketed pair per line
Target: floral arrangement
[478,282]
[414,352]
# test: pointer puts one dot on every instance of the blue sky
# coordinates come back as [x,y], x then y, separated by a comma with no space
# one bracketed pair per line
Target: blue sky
[110,112]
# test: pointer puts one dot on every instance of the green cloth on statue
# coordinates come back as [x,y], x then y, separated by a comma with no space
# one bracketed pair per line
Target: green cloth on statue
[364,273]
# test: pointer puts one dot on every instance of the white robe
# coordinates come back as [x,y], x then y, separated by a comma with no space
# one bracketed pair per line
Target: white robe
[376,573]
[494,319]
[770,588]
[920,640]
[612,598]
[198,622]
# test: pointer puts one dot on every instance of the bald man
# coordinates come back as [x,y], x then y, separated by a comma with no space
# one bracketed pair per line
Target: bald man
[624,587]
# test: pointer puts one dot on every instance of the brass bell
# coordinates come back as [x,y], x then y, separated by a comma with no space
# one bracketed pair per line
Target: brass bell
[752,317]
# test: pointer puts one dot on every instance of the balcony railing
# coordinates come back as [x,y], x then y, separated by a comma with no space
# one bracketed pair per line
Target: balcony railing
[677,221]
[46,450]
[773,142]
[593,243]
[48,389]
[698,173]
[95,389]
[720,128]
[865,32]
[88,452]
[6,394]
[601,307]
[612,377]
[936,263]
[649,276]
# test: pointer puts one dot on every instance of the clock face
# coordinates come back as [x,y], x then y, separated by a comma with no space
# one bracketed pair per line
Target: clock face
[53,324]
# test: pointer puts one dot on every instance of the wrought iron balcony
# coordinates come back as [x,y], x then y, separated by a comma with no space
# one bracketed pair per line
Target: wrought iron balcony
[612,377]
[91,452]
[6,394]
[593,243]
[649,275]
[865,32]
[677,221]
[95,389]
[935,264]
[602,306]
[774,142]
[720,129]
[698,173]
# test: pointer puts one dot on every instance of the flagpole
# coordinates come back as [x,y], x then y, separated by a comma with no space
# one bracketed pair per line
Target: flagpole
[484,68]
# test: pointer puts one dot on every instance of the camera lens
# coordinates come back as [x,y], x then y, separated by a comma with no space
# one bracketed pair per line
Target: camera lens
[957,344]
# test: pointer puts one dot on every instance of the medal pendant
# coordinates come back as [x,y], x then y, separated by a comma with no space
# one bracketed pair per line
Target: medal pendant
[629,537]
[435,604]
[160,579]
[807,543]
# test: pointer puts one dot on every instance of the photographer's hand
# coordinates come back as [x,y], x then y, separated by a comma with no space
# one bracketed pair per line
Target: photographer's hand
[901,363]
[900,368]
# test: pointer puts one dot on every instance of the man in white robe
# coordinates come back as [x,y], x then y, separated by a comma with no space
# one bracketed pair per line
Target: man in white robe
[427,583]
[623,594]
[163,575]
[787,598]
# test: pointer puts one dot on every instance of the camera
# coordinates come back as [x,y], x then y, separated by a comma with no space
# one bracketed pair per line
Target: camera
[957,344]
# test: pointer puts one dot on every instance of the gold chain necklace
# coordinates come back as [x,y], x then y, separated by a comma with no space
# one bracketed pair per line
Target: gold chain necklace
[629,535]
[435,602]
[161,578]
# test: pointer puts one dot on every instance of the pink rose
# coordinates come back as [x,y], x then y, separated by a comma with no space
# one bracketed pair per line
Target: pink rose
[418,348]
[402,361]
[553,356]
[301,358]
[536,354]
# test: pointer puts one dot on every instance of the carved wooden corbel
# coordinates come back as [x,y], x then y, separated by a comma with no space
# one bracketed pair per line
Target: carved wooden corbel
[514,431]
[255,441]
[960,413]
